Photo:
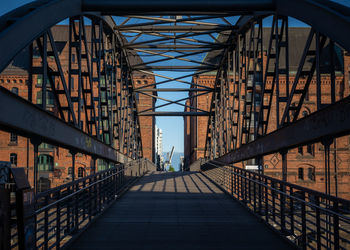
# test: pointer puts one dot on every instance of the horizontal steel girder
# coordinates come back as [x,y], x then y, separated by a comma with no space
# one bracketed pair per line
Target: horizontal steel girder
[180,28]
[161,68]
[26,119]
[171,90]
[332,121]
[176,6]
[161,113]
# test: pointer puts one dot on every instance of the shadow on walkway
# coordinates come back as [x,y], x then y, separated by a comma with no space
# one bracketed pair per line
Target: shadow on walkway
[177,211]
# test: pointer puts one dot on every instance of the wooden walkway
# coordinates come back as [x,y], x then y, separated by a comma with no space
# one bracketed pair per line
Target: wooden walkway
[180,210]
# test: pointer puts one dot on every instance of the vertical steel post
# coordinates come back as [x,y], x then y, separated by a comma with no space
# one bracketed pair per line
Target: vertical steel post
[36,142]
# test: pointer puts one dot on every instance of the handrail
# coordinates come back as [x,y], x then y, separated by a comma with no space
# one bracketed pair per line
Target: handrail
[306,218]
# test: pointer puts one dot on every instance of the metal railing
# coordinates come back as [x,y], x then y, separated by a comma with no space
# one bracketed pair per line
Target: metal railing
[307,218]
[61,213]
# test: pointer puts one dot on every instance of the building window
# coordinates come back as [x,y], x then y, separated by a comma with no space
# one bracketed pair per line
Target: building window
[50,100]
[101,165]
[80,172]
[13,159]
[311,149]
[138,82]
[70,171]
[311,173]
[145,82]
[13,138]
[73,58]
[45,146]
[300,150]
[72,83]
[44,184]
[305,113]
[300,173]
[45,163]
[39,80]
[14,90]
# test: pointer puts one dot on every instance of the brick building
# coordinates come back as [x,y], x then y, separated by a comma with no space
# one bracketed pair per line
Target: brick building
[54,163]
[305,164]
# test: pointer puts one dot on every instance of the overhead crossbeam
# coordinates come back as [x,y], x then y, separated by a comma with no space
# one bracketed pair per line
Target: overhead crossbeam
[174,114]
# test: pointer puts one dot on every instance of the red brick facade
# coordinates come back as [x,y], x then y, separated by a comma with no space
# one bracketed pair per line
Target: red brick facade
[15,78]
[305,164]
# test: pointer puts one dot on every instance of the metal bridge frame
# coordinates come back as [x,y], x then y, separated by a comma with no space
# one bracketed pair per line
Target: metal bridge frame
[236,131]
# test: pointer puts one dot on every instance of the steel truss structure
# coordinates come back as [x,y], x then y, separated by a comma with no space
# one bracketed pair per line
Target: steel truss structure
[223,37]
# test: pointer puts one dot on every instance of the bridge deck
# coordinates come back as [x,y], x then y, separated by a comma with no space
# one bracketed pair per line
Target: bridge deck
[177,211]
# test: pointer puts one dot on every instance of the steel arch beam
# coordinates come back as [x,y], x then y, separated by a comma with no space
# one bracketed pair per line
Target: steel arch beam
[176,6]
[327,17]
[29,22]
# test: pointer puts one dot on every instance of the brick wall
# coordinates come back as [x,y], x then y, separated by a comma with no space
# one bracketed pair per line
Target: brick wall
[297,158]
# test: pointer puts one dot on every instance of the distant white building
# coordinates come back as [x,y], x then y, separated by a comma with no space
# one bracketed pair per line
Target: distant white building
[158,147]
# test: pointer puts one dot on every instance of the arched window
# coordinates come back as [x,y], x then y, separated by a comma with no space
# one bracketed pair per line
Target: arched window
[14,90]
[305,113]
[300,173]
[138,82]
[145,82]
[13,159]
[80,172]
[45,163]
[311,173]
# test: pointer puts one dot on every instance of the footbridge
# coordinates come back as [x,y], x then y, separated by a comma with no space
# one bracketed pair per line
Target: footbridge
[75,168]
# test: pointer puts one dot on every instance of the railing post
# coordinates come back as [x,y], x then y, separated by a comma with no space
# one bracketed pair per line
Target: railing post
[36,142]
[58,222]
[84,202]
[68,210]
[291,210]
[46,222]
[303,220]
[336,224]
[76,208]
[90,196]
[266,201]
[254,192]
[245,187]
[282,206]
[318,223]
[273,200]
[231,179]
[260,193]
[249,187]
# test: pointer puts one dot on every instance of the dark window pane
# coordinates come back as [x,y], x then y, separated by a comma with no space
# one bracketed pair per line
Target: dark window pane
[13,159]
[300,173]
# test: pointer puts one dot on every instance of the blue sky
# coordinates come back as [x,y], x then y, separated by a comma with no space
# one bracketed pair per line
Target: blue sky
[172,126]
